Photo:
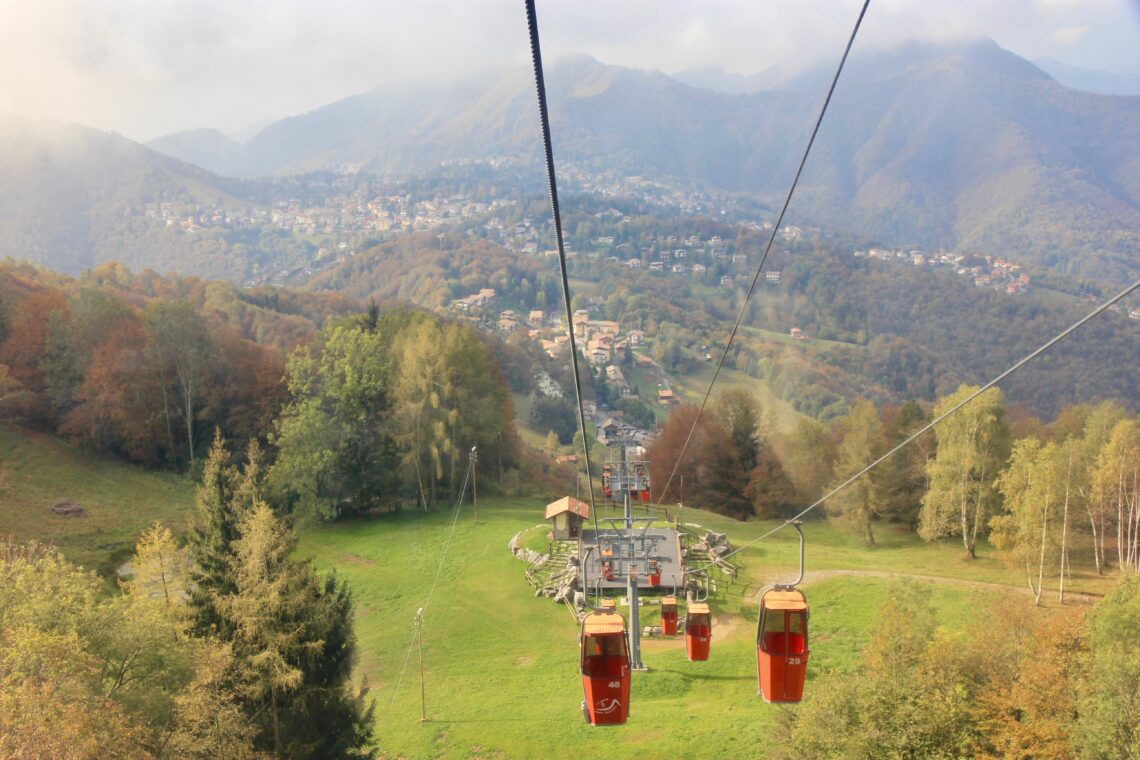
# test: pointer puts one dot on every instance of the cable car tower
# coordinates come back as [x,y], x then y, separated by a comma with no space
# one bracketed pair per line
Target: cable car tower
[623,550]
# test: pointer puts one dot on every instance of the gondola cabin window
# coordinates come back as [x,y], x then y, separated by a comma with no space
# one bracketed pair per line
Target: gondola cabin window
[784,632]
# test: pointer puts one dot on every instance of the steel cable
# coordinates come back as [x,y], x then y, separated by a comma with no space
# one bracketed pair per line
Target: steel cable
[767,248]
[540,83]
[930,425]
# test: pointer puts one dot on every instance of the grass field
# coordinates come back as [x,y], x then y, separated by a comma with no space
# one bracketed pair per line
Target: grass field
[119,500]
[501,665]
[694,386]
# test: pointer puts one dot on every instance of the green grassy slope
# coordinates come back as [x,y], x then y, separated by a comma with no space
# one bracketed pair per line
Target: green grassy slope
[119,500]
[501,665]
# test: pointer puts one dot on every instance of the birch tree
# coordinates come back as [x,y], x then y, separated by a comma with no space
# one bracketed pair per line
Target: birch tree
[1021,532]
[1098,427]
[972,444]
[1116,483]
[183,357]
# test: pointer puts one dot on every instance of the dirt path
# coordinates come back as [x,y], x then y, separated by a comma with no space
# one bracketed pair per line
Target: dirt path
[816,576]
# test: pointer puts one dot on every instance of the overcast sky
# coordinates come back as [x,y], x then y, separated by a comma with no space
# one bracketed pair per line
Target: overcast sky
[145,68]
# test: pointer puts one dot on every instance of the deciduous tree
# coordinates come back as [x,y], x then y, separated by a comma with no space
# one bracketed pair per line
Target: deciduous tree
[972,445]
[859,503]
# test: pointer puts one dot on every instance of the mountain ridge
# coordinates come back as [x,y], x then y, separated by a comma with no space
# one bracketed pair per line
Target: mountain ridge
[939,146]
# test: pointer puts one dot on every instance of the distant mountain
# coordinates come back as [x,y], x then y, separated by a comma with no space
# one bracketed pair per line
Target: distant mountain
[717,79]
[72,197]
[1091,80]
[207,148]
[940,146]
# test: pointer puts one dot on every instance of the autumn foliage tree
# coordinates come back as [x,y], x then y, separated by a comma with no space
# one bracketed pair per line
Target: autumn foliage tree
[728,467]
[972,447]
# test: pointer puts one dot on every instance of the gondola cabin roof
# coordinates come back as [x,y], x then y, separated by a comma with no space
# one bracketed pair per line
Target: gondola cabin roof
[669,601]
[598,623]
[784,600]
[568,504]
[698,608]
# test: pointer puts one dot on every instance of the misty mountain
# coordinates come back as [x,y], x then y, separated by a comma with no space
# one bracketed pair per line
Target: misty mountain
[939,146]
[208,148]
[72,197]
[717,79]
[1091,80]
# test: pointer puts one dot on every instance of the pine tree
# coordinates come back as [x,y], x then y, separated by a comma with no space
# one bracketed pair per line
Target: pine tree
[212,539]
[293,645]
[289,632]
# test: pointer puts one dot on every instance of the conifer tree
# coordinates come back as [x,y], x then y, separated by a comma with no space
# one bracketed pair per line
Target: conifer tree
[289,631]
[293,645]
[212,539]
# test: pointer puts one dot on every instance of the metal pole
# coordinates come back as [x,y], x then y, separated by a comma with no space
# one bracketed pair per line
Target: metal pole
[789,586]
[474,491]
[420,638]
[635,662]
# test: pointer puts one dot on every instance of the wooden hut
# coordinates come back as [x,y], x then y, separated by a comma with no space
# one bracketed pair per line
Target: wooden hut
[567,515]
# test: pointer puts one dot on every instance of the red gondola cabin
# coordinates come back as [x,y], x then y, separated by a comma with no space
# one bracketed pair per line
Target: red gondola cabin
[654,573]
[605,669]
[669,616]
[698,631]
[782,645]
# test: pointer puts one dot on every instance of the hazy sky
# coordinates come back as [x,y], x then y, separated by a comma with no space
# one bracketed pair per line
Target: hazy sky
[149,67]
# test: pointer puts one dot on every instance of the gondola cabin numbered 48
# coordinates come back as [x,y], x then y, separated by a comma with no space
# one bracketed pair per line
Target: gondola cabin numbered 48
[669,616]
[605,669]
[782,645]
[698,632]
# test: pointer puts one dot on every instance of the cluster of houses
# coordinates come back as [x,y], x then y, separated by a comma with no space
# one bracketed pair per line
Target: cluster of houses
[997,273]
[348,205]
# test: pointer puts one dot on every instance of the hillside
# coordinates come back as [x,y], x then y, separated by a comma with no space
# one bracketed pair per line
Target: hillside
[207,148]
[73,197]
[875,329]
[956,146]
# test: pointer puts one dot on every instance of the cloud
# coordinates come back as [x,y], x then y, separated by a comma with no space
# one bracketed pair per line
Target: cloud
[1069,35]
[146,67]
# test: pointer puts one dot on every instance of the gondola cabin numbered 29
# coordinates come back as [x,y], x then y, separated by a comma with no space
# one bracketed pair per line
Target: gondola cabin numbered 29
[605,669]
[698,632]
[782,645]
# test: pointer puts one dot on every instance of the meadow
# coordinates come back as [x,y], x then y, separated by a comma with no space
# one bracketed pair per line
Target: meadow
[500,664]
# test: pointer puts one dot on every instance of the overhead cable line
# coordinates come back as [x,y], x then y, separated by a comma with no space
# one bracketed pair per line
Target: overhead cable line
[434,583]
[914,436]
[767,248]
[540,83]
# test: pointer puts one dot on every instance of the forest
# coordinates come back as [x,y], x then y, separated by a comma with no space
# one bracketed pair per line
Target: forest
[873,329]
[224,647]
[147,368]
[1044,494]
